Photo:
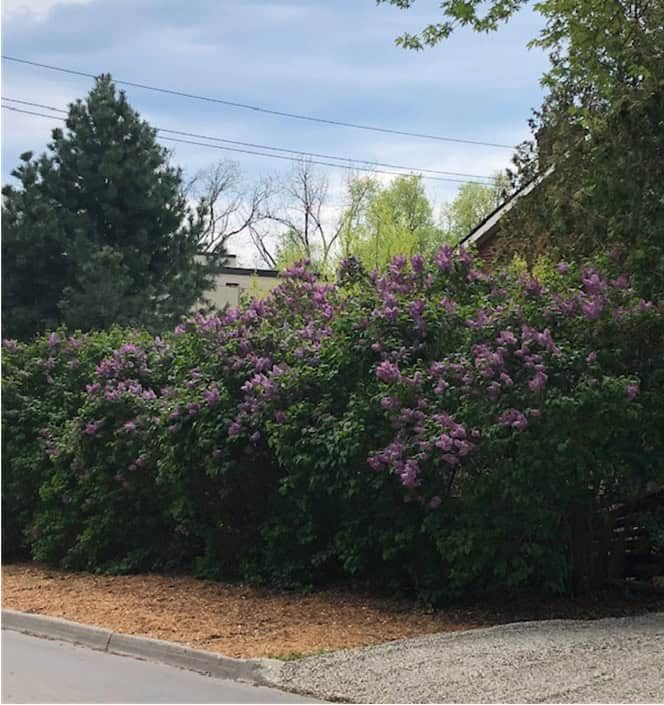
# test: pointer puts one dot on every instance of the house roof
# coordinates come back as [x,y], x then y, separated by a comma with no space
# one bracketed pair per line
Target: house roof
[249,272]
[490,225]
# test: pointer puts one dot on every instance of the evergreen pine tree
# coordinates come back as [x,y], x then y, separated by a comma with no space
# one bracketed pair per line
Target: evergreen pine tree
[99,231]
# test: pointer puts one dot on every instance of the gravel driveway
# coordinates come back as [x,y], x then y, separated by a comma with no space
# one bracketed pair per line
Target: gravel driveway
[608,660]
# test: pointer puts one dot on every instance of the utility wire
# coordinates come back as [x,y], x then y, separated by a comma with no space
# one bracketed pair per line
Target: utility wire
[275,149]
[262,154]
[256,108]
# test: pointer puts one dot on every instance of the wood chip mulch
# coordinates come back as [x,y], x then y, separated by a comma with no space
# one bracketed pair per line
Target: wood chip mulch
[235,620]
[243,621]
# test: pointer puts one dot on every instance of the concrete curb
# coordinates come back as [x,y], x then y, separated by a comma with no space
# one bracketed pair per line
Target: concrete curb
[255,671]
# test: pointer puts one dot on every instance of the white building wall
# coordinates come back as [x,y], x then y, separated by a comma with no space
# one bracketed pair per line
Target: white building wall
[234,283]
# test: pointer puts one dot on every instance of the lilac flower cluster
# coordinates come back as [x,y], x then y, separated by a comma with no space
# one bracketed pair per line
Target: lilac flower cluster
[450,350]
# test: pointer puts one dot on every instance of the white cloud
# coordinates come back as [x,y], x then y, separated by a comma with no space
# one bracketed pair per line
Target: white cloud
[34,9]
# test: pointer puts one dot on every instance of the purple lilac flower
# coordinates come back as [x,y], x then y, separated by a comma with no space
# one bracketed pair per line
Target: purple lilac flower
[374,462]
[632,391]
[506,337]
[414,381]
[568,307]
[562,267]
[388,372]
[538,382]
[621,282]
[475,275]
[513,418]
[465,257]
[92,428]
[463,447]
[532,287]
[592,308]
[105,368]
[480,320]
[10,345]
[262,364]
[417,308]
[53,340]
[592,280]
[592,357]
[408,474]
[234,429]
[448,305]
[443,258]
[434,502]
[417,263]
[444,442]
[437,369]
[211,396]
[193,408]
[130,426]
[280,416]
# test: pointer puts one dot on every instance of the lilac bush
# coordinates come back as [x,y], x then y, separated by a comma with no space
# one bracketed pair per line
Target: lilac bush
[436,427]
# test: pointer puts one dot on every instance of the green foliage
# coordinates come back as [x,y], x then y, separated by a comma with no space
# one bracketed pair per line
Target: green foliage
[436,429]
[291,250]
[599,132]
[393,220]
[98,231]
[473,203]
[43,386]
[604,194]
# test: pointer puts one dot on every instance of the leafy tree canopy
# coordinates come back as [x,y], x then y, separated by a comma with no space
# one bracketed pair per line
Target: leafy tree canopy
[473,202]
[396,219]
[599,133]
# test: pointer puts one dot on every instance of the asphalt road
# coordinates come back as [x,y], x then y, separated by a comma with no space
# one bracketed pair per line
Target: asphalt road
[38,670]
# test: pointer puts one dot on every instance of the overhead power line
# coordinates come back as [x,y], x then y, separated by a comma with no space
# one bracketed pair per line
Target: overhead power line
[260,109]
[261,154]
[299,152]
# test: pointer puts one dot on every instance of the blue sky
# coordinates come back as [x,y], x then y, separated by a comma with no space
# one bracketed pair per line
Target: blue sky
[330,58]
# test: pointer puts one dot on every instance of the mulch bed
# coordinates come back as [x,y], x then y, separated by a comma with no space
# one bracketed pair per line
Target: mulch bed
[243,621]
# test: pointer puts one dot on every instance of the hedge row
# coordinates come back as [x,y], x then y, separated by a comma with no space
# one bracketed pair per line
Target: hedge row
[437,428]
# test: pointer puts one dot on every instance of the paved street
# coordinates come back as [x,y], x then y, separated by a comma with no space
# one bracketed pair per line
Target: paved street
[42,671]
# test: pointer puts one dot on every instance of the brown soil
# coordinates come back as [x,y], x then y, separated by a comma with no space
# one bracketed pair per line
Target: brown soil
[235,620]
[242,621]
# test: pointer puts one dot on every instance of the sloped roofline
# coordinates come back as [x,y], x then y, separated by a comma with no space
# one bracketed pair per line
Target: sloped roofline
[487,226]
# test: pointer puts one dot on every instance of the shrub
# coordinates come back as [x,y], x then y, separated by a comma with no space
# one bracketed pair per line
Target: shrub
[435,428]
